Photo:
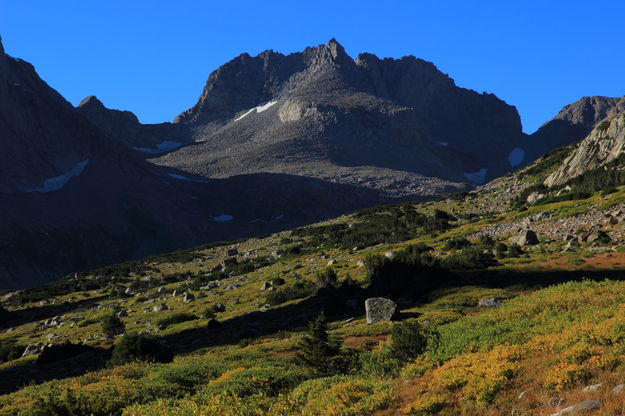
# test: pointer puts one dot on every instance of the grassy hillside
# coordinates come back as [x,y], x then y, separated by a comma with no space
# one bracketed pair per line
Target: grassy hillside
[230,348]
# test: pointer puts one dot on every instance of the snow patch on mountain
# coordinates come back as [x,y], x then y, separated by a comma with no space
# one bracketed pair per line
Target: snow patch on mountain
[478,177]
[262,108]
[516,157]
[57,182]
[163,147]
[258,109]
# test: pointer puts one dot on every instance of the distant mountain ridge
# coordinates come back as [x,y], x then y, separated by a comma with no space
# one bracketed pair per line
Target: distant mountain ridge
[274,141]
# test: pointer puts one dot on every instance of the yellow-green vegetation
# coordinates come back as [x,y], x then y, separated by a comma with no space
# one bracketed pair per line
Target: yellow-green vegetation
[221,329]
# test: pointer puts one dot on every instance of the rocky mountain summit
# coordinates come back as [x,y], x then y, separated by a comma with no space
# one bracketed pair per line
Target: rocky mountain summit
[318,112]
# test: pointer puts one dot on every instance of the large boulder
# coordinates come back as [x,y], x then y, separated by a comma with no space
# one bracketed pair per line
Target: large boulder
[160,307]
[593,388]
[379,309]
[231,261]
[33,349]
[526,238]
[598,236]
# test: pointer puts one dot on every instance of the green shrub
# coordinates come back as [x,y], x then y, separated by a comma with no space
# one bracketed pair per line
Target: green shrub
[411,272]
[469,258]
[218,307]
[57,404]
[439,214]
[243,382]
[208,313]
[386,224]
[299,290]
[140,347]
[408,340]
[603,126]
[62,351]
[515,250]
[10,350]
[277,281]
[176,319]
[608,191]
[379,363]
[189,377]
[486,241]
[326,278]
[456,244]
[340,395]
[112,325]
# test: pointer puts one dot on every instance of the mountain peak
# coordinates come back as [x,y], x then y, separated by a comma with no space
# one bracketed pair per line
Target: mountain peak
[337,51]
[91,101]
[336,48]
[1,47]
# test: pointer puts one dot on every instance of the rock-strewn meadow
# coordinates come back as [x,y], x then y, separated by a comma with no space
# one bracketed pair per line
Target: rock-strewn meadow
[502,307]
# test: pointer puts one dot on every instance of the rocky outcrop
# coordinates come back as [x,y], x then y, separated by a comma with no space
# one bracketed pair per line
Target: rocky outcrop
[604,144]
[574,122]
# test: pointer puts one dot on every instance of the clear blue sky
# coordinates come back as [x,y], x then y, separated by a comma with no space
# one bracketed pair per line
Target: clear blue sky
[153,57]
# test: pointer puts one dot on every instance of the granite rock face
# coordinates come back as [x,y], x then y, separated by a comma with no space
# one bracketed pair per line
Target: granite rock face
[604,144]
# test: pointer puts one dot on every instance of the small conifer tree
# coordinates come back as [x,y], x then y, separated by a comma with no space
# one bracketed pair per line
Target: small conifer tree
[326,278]
[319,351]
[112,325]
